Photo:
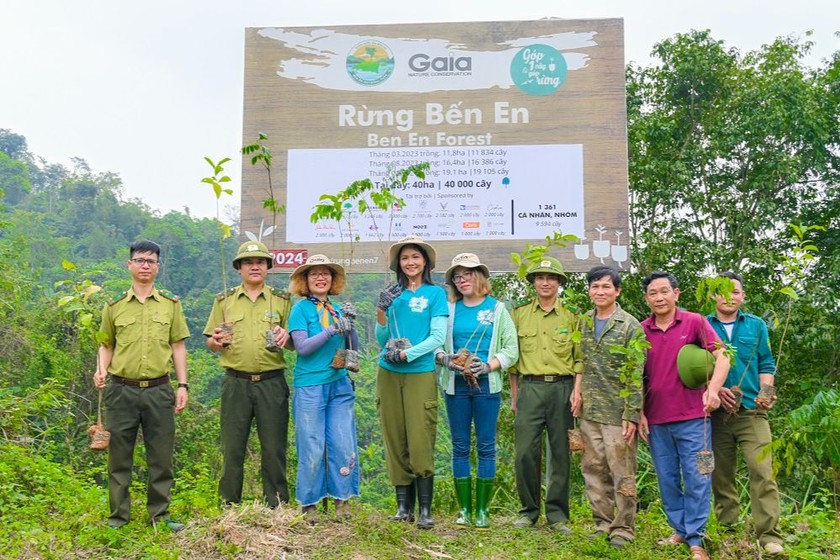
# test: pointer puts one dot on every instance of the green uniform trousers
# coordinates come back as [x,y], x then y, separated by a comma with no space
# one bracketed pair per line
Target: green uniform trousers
[244,400]
[607,457]
[750,431]
[543,407]
[408,415]
[126,409]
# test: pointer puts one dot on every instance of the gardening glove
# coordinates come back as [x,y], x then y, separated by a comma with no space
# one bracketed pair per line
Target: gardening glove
[388,295]
[446,360]
[343,325]
[348,310]
[393,355]
[477,367]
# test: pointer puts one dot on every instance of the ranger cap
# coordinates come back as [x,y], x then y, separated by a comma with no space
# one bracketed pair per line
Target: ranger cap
[250,250]
[546,265]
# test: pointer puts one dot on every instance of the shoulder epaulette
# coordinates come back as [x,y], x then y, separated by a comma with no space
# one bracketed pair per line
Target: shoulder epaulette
[279,292]
[222,295]
[168,295]
[522,302]
[118,297]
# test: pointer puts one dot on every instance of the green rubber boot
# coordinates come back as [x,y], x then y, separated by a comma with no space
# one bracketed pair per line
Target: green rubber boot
[463,491]
[483,493]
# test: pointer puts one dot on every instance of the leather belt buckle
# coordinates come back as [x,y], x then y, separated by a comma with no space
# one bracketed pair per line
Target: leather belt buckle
[143,384]
[255,378]
[550,378]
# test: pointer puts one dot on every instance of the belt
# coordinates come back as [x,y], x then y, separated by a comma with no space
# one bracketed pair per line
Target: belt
[142,383]
[546,378]
[255,377]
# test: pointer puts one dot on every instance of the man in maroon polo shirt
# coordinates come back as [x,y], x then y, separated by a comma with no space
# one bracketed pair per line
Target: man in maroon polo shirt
[674,418]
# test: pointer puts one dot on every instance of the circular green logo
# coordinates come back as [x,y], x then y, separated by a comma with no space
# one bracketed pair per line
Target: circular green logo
[538,69]
[370,63]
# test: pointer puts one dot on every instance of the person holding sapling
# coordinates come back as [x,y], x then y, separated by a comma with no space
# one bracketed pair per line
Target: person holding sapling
[411,325]
[480,344]
[609,402]
[541,390]
[254,385]
[746,397]
[325,422]
[142,331]
[676,404]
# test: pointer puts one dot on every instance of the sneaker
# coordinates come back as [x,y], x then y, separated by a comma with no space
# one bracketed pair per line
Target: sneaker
[698,553]
[174,526]
[673,540]
[523,522]
[774,548]
[618,542]
[561,528]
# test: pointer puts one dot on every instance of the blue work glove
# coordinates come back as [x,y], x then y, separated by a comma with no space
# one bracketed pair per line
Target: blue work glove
[388,295]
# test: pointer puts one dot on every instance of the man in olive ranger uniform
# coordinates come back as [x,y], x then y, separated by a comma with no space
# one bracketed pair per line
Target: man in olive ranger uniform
[541,385]
[255,384]
[608,419]
[142,330]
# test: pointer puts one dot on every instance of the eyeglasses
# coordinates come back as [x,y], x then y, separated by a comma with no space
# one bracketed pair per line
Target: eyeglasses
[141,262]
[466,275]
[320,274]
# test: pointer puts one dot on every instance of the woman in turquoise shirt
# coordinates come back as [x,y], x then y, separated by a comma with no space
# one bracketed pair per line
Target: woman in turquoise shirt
[411,324]
[480,325]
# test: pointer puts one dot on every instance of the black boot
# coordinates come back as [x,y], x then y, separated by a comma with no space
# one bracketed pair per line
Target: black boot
[406,496]
[425,493]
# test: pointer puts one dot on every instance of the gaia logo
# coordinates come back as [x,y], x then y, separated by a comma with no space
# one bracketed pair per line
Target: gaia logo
[370,63]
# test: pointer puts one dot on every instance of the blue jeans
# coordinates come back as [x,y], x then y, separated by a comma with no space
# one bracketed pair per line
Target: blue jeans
[686,494]
[325,437]
[468,406]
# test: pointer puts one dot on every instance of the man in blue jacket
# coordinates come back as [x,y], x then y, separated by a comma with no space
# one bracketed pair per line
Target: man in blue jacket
[745,424]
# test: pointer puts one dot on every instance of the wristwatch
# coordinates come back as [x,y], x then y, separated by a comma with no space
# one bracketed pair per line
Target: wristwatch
[184,385]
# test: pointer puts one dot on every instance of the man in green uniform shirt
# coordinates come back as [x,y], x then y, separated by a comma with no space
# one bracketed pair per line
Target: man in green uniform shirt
[541,385]
[255,384]
[142,330]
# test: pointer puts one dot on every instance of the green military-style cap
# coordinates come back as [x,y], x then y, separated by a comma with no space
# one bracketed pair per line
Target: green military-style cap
[252,249]
[546,265]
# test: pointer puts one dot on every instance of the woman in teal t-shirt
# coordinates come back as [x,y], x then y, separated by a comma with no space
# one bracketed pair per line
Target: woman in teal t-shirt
[323,401]
[411,324]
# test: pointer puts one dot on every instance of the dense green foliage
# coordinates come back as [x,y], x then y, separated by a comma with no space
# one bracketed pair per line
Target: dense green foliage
[726,150]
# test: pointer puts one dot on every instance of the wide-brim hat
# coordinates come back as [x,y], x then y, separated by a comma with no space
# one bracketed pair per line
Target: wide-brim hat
[546,265]
[394,252]
[318,260]
[464,260]
[695,365]
[253,249]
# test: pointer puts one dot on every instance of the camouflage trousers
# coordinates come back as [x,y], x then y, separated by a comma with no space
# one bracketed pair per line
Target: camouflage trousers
[606,459]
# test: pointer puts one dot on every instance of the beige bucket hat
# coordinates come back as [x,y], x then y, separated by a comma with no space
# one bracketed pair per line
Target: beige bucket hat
[318,260]
[394,251]
[464,260]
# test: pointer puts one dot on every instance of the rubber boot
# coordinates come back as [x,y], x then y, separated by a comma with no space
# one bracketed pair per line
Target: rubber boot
[463,491]
[483,494]
[406,496]
[425,493]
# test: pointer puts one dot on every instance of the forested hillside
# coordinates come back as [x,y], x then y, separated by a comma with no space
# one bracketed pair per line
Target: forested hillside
[733,165]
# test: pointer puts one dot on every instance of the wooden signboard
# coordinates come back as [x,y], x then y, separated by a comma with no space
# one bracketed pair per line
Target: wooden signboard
[523,124]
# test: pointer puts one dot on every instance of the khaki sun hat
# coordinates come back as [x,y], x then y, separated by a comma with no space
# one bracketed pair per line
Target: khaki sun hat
[252,249]
[394,251]
[546,265]
[318,260]
[464,260]
[695,365]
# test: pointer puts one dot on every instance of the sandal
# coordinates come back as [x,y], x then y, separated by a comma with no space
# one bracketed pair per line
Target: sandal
[673,540]
[698,553]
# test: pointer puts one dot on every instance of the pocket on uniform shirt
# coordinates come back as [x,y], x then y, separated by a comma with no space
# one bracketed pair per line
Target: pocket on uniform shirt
[527,340]
[161,327]
[127,329]
[562,342]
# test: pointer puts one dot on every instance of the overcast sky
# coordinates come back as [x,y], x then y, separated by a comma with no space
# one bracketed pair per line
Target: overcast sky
[147,89]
